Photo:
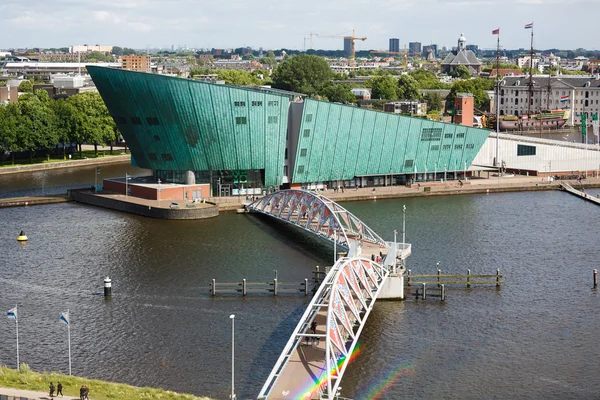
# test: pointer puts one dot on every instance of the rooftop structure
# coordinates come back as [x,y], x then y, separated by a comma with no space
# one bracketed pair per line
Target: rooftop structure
[461,56]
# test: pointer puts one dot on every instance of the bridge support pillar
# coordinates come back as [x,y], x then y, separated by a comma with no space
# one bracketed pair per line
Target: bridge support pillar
[393,288]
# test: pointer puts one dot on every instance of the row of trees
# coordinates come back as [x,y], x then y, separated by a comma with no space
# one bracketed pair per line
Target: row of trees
[37,122]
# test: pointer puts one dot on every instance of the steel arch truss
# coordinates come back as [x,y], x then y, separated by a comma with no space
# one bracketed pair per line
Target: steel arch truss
[344,300]
[316,214]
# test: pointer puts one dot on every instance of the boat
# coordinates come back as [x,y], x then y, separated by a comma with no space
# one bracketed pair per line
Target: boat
[546,120]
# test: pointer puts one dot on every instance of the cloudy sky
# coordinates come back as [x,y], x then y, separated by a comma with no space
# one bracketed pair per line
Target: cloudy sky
[565,24]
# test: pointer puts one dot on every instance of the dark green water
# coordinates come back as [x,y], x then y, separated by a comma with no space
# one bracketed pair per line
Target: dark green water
[536,337]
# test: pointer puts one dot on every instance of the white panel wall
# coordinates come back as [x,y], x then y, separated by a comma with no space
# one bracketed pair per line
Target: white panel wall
[551,156]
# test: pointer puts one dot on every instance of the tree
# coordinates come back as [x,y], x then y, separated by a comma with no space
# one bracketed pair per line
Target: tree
[535,71]
[302,73]
[93,123]
[338,93]
[408,88]
[268,61]
[26,87]
[9,128]
[461,72]
[478,87]
[96,56]
[37,123]
[434,101]
[427,80]
[383,87]
[66,123]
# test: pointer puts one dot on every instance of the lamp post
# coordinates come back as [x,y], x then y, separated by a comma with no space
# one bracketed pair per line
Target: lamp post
[396,247]
[404,224]
[158,194]
[465,171]
[445,175]
[232,317]
[455,168]
[127,178]
[337,180]
[425,173]
[96,178]
[435,172]
[415,172]
[391,180]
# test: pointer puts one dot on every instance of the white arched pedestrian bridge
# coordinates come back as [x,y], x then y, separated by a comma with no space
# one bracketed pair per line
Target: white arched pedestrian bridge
[312,364]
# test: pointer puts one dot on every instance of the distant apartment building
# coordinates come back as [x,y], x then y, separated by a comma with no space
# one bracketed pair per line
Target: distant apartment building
[361,93]
[394,45]
[348,45]
[412,107]
[86,49]
[135,63]
[414,48]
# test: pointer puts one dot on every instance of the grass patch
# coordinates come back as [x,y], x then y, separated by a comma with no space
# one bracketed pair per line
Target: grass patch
[86,154]
[99,390]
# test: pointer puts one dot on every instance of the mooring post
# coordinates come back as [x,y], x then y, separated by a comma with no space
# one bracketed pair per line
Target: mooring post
[443,292]
[213,289]
[439,273]
[408,278]
[468,278]
[497,277]
[275,287]
[305,287]
[595,278]
[244,287]
[424,295]
[317,274]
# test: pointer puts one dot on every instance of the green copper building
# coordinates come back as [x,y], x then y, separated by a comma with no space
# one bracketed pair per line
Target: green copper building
[185,130]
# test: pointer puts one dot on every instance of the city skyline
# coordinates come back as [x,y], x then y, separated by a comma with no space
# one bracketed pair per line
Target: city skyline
[151,23]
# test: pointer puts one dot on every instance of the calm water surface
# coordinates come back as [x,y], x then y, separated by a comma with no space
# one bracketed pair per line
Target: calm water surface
[536,337]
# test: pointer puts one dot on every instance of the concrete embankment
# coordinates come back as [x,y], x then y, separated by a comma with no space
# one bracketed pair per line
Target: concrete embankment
[33,201]
[66,164]
[144,207]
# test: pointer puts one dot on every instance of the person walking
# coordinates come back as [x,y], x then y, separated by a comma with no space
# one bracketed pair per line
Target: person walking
[51,389]
[59,388]
[313,329]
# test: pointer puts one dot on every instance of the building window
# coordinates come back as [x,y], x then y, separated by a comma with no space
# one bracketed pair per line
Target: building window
[240,120]
[435,147]
[272,119]
[446,147]
[309,117]
[136,120]
[273,103]
[239,103]
[152,121]
[448,136]
[286,153]
[458,147]
[285,170]
[431,134]
[152,156]
[257,103]
[460,135]
[470,146]
[156,138]
[523,150]
[408,163]
[306,132]
[302,152]
[300,169]
[166,157]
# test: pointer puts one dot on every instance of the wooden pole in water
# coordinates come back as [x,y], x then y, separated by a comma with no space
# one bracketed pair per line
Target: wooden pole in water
[275,287]
[408,278]
[468,278]
[424,295]
[244,287]
[595,278]
[438,277]
[214,288]
[443,293]
[498,277]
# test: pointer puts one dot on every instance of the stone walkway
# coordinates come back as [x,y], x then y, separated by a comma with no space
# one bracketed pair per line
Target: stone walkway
[16,394]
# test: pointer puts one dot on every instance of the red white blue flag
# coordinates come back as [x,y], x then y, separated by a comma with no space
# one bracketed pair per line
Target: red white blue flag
[529,26]
[564,99]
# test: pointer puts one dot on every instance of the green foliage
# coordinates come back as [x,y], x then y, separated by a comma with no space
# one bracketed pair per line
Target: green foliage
[477,87]
[434,101]
[26,87]
[99,390]
[96,56]
[427,80]
[338,93]
[461,72]
[303,73]
[492,66]
[383,87]
[553,70]
[93,123]
[535,71]
[37,123]
[122,51]
[408,88]
[268,61]
[2,83]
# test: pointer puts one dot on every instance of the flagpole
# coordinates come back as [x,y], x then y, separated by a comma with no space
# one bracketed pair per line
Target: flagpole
[498,102]
[69,339]
[17,325]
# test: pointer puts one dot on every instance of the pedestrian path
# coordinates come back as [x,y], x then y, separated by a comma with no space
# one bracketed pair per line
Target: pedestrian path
[17,394]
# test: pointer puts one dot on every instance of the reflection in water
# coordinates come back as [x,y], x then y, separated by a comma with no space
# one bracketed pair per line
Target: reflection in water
[536,335]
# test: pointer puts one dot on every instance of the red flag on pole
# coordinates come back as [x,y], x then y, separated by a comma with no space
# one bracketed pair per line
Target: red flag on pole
[496,31]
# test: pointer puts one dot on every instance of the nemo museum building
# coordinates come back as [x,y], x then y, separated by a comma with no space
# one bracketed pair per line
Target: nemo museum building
[247,140]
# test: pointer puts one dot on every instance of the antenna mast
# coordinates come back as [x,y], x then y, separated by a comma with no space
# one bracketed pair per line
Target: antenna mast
[530,75]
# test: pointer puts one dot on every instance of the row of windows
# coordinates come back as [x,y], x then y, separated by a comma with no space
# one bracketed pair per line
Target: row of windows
[164,156]
[556,92]
[523,150]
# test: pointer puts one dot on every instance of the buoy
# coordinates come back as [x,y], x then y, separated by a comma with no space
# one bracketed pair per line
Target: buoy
[107,287]
[22,237]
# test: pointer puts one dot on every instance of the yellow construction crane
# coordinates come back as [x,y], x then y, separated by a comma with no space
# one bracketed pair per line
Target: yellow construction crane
[353,38]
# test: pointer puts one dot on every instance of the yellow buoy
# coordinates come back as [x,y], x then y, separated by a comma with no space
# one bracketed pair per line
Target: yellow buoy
[22,237]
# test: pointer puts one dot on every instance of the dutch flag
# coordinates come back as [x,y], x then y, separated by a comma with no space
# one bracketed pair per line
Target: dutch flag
[64,317]
[529,26]
[12,313]
[564,99]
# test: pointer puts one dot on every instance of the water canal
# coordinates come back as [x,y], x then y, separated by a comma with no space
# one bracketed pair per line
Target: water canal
[535,337]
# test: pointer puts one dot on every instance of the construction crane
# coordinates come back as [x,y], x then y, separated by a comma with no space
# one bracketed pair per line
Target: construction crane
[393,52]
[353,38]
